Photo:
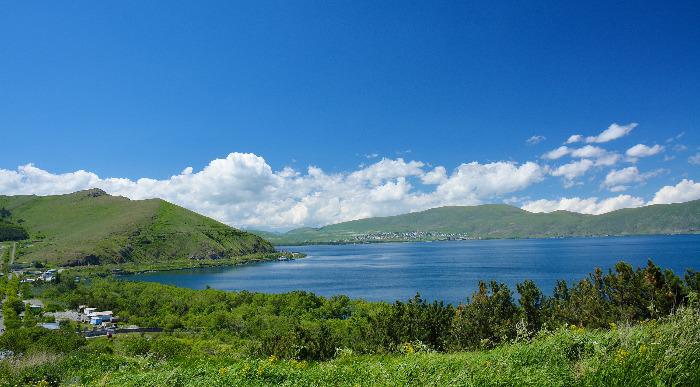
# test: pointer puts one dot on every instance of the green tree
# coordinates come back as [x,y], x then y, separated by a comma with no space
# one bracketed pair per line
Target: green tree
[29,320]
[490,317]
[531,301]
[11,317]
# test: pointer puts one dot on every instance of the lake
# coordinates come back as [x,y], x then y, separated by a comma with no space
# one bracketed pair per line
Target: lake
[447,271]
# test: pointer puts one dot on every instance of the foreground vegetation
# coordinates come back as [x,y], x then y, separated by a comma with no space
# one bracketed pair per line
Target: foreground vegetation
[501,221]
[624,327]
[665,352]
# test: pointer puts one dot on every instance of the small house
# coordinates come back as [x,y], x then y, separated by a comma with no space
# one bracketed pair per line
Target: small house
[49,275]
[97,318]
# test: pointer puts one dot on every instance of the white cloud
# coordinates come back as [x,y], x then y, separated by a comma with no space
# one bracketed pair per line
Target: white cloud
[436,176]
[641,150]
[620,179]
[684,191]
[535,140]
[602,156]
[694,159]
[471,182]
[608,159]
[676,137]
[557,153]
[584,205]
[29,179]
[243,190]
[588,151]
[613,132]
[388,169]
[573,169]
[680,148]
[574,138]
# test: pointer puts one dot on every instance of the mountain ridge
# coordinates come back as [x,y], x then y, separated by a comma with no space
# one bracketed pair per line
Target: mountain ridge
[91,227]
[500,221]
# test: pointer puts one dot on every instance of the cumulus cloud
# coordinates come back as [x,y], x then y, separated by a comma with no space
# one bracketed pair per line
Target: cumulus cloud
[436,176]
[613,132]
[602,156]
[574,138]
[557,153]
[471,182]
[641,150]
[591,205]
[588,151]
[573,169]
[388,169]
[535,140]
[684,191]
[243,190]
[620,180]
[608,159]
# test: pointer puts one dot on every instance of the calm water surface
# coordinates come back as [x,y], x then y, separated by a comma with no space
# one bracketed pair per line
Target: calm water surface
[447,271]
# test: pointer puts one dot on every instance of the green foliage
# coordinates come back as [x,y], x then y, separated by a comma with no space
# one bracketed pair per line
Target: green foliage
[653,353]
[531,301]
[35,339]
[489,319]
[303,326]
[503,221]
[12,232]
[624,327]
[10,316]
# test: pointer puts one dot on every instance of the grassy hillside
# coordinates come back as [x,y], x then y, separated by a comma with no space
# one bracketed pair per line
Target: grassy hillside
[91,227]
[503,221]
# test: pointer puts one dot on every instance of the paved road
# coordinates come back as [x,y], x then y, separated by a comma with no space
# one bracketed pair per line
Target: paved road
[12,253]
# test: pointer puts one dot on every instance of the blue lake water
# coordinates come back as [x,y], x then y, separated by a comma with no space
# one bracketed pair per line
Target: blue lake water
[447,271]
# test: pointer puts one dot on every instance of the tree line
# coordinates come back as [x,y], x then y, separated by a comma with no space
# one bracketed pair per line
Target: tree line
[301,325]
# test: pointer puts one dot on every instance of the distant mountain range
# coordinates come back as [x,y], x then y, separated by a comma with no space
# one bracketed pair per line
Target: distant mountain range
[92,227]
[499,221]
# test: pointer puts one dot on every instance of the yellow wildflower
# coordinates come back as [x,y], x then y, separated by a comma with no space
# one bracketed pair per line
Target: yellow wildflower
[621,355]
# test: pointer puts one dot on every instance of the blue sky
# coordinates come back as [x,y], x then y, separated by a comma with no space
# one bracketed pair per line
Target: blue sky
[144,90]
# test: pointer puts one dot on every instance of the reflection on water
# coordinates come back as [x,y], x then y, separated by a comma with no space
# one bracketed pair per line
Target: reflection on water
[447,271]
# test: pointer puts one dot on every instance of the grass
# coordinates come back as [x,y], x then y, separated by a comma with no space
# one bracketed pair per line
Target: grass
[666,352]
[93,227]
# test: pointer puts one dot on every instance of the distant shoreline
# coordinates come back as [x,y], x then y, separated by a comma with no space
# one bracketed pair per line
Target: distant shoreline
[370,242]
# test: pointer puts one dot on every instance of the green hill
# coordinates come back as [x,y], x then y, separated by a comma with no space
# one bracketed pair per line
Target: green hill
[92,227]
[501,221]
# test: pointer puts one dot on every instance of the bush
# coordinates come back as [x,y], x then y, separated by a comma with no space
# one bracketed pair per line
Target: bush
[166,347]
[36,339]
